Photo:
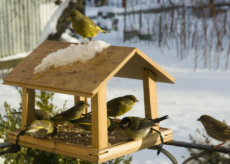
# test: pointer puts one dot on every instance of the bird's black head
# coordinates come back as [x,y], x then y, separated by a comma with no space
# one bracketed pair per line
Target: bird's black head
[125,122]
[132,97]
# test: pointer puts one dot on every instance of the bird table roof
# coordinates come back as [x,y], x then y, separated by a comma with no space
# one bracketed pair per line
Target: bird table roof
[83,79]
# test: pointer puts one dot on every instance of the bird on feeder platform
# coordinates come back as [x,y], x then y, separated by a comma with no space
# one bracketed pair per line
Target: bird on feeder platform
[84,26]
[85,123]
[120,105]
[215,129]
[39,129]
[73,113]
[39,114]
[137,128]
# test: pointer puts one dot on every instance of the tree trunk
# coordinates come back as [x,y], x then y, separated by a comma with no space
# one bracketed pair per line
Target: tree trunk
[63,21]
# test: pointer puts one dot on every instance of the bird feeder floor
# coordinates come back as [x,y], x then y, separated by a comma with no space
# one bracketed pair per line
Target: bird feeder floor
[66,144]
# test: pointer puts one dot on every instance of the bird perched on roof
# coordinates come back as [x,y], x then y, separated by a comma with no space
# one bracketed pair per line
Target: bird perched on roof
[137,128]
[120,105]
[215,129]
[85,123]
[73,113]
[39,129]
[84,26]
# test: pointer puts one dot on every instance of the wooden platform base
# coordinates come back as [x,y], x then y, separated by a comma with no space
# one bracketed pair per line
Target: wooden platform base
[87,153]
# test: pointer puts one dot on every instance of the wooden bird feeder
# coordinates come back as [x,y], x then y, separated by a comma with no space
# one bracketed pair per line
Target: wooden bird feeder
[88,80]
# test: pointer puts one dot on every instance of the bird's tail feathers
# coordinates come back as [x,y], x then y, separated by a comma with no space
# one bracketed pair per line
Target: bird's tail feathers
[103,31]
[156,120]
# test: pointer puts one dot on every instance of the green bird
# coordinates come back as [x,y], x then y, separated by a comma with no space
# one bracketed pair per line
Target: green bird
[84,26]
[39,129]
[120,105]
[137,128]
[85,123]
[39,114]
[73,113]
[215,129]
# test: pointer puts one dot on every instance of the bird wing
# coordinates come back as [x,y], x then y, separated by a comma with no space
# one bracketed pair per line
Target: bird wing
[136,123]
[227,131]
[115,105]
[65,114]
[83,121]
[145,123]
[88,22]
[35,126]
[218,126]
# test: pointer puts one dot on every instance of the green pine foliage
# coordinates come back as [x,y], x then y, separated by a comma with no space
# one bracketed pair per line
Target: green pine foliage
[9,121]
[217,157]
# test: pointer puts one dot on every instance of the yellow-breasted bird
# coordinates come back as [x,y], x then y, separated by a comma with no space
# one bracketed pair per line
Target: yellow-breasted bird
[120,105]
[39,129]
[215,129]
[73,113]
[84,26]
[85,123]
[138,128]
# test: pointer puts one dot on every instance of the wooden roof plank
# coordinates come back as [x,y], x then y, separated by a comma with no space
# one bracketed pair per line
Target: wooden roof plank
[134,67]
[83,79]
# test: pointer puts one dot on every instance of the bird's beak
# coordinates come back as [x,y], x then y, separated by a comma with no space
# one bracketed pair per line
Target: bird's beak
[87,105]
[198,119]
[137,100]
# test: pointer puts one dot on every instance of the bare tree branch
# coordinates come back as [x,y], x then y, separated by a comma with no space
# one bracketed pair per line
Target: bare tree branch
[197,146]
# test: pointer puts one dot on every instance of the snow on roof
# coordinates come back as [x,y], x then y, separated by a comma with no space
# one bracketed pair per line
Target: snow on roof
[73,53]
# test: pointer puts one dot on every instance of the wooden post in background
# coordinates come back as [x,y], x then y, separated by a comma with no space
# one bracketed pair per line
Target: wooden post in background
[150,95]
[28,103]
[99,119]
[80,98]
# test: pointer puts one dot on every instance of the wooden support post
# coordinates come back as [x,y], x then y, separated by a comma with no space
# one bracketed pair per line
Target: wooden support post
[99,119]
[150,95]
[80,98]
[28,103]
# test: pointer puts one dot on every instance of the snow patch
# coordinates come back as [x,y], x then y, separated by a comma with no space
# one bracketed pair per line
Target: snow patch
[73,53]
[15,56]
[65,37]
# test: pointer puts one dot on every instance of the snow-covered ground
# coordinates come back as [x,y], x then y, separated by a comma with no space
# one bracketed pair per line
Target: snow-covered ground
[192,95]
